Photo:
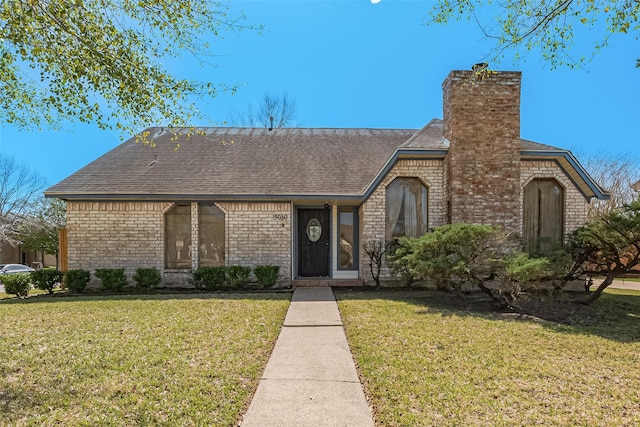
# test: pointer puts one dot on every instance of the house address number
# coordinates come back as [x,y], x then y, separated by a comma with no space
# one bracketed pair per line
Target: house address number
[280,217]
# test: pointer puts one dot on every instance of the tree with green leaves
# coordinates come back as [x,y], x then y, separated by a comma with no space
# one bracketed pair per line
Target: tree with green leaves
[458,257]
[548,27]
[39,230]
[100,61]
[607,246]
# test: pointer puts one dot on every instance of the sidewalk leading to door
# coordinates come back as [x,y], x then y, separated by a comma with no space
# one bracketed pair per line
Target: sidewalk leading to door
[310,379]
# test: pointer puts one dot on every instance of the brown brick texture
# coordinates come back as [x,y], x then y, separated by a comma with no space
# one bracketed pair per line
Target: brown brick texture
[482,126]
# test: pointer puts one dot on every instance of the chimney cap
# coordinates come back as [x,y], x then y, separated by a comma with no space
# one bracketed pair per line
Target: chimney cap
[480,66]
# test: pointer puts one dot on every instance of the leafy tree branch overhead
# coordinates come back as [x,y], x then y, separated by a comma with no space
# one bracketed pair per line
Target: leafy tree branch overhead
[100,61]
[548,27]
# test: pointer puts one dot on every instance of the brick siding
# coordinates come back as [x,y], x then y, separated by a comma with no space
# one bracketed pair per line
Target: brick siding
[130,235]
[481,180]
[575,204]
[373,214]
[125,235]
[259,233]
[482,125]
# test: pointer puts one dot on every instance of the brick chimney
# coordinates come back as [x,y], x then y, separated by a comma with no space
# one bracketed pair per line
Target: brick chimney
[482,126]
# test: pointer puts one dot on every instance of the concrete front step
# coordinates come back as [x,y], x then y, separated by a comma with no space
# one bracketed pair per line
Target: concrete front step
[305,283]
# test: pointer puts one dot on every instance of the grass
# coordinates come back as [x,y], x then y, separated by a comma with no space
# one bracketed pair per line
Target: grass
[430,359]
[134,360]
[629,279]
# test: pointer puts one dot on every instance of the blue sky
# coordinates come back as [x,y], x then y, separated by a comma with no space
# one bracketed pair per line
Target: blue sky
[358,64]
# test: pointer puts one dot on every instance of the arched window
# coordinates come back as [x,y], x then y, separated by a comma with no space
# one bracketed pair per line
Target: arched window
[211,251]
[177,222]
[543,216]
[406,208]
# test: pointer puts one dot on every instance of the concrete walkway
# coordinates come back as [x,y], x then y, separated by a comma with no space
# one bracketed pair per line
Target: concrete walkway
[619,284]
[310,379]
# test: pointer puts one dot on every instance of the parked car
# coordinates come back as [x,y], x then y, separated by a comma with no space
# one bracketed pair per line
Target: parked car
[15,268]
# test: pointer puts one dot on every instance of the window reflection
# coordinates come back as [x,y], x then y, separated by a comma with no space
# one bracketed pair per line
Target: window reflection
[347,234]
[178,237]
[211,251]
[406,208]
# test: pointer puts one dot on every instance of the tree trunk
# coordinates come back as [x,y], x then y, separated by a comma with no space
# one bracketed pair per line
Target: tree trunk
[596,294]
[503,301]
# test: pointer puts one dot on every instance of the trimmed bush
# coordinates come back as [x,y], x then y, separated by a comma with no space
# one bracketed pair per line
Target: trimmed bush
[113,279]
[46,279]
[267,275]
[237,276]
[209,278]
[77,280]
[147,278]
[17,284]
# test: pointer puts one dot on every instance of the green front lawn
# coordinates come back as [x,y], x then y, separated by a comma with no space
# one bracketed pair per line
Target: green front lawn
[134,360]
[430,359]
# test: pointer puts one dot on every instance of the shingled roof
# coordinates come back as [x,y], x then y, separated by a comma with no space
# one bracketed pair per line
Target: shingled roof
[229,163]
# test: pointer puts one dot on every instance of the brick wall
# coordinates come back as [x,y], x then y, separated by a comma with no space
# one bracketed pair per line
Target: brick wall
[575,204]
[482,125]
[431,173]
[372,212]
[115,235]
[259,233]
[131,235]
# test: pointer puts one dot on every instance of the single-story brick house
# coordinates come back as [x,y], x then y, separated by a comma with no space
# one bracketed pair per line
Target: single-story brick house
[307,199]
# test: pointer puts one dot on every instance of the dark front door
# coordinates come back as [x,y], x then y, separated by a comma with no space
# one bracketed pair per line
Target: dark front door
[313,242]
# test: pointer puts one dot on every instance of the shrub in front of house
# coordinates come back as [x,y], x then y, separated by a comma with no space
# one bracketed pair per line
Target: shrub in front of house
[17,284]
[46,279]
[209,278]
[77,280]
[267,275]
[113,279]
[147,278]
[237,276]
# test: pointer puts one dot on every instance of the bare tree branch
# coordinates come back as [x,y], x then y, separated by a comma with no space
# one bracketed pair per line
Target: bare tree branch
[282,108]
[19,190]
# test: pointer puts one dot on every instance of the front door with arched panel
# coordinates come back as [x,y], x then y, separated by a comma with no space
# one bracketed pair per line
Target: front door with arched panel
[313,242]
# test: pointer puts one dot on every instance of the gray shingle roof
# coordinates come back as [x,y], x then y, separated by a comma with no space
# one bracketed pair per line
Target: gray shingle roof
[245,162]
[239,161]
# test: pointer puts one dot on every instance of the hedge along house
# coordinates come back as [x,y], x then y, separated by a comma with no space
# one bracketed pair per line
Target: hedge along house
[308,199]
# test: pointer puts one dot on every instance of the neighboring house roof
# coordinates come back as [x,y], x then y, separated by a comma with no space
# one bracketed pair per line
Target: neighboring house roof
[229,163]
[636,186]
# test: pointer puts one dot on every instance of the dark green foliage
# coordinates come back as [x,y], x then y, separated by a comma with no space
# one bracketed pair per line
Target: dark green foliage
[520,267]
[17,284]
[147,278]
[77,280]
[267,275]
[46,279]
[113,279]
[452,255]
[608,246]
[456,256]
[210,278]
[401,266]
[237,276]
